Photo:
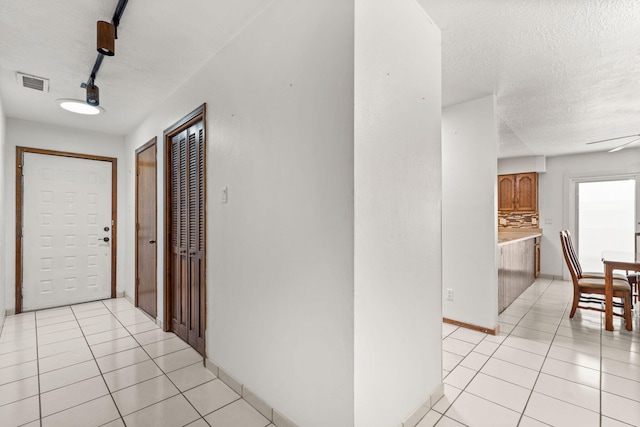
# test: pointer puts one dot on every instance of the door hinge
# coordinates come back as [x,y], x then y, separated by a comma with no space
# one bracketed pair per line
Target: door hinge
[137,282]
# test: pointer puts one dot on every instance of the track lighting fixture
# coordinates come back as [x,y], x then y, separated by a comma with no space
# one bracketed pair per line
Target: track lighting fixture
[93,94]
[106,43]
[106,46]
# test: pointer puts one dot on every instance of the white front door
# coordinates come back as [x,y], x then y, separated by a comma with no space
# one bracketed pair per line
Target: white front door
[67,226]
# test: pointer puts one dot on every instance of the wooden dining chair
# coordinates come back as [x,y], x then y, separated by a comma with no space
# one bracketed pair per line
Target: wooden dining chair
[590,290]
[634,277]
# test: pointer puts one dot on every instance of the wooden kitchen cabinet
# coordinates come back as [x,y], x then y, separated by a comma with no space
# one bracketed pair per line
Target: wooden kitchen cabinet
[518,192]
[506,192]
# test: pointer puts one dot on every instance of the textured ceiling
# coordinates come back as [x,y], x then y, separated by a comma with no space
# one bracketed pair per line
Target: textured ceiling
[159,46]
[564,72]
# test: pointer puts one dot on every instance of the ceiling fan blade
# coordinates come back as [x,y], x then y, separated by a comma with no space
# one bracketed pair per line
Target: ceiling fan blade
[612,139]
[620,147]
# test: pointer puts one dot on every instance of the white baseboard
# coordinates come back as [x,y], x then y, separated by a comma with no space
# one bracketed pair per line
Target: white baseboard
[550,276]
[128,298]
[417,415]
[278,419]
[273,415]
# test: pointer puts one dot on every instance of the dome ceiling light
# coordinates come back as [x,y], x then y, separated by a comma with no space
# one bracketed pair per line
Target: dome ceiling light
[79,107]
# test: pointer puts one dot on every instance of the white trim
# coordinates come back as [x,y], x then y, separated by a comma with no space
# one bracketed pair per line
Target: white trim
[417,415]
[570,193]
[270,413]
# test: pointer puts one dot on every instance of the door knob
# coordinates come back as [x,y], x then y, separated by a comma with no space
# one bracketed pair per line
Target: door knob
[106,239]
[152,241]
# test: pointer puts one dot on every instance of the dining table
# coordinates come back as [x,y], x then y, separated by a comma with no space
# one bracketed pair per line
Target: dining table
[615,260]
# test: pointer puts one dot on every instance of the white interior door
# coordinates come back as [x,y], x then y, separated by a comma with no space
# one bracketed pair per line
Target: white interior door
[67,226]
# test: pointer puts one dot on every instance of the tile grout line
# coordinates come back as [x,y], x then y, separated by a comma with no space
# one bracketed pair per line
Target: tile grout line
[600,377]
[171,381]
[93,359]
[564,311]
[442,415]
[180,392]
[490,356]
[96,362]
[478,371]
[35,320]
[547,353]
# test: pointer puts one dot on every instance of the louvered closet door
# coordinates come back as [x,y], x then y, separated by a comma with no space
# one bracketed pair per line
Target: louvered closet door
[187,235]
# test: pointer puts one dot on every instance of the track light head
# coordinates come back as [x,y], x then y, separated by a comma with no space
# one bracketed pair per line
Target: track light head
[93,95]
[106,43]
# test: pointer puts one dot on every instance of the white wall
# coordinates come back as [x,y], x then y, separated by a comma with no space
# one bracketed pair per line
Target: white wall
[38,135]
[554,195]
[3,209]
[280,252]
[525,164]
[397,211]
[469,212]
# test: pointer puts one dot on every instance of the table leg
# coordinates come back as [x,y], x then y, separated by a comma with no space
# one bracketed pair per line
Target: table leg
[608,296]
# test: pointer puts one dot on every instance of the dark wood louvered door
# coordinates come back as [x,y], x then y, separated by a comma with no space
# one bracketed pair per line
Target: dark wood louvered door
[187,234]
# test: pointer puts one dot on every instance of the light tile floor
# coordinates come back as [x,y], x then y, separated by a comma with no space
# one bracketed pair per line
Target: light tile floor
[106,363]
[543,369]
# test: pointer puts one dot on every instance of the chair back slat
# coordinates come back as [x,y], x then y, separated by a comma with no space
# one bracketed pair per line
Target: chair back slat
[573,254]
[571,263]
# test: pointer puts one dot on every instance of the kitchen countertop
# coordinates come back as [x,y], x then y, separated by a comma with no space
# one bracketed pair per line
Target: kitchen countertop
[516,235]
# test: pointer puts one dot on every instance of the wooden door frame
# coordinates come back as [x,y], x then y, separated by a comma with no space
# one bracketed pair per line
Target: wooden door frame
[20,151]
[197,115]
[139,150]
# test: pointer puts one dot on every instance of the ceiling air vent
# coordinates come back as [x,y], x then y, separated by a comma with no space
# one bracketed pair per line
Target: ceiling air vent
[33,82]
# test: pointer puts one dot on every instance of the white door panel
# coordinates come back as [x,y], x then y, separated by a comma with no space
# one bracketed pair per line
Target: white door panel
[66,209]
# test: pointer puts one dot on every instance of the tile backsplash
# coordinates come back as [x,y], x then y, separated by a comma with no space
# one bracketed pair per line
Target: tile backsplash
[507,219]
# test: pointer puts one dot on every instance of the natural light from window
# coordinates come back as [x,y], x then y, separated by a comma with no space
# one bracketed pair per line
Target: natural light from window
[606,220]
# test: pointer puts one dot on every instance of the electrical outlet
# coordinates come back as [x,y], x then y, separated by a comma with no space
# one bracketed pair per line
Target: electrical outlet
[449,294]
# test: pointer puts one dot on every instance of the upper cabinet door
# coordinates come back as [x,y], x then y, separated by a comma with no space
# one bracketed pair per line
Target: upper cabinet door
[526,190]
[506,194]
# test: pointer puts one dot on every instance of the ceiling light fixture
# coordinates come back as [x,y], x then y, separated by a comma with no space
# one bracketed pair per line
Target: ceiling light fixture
[79,107]
[106,43]
[93,94]
[106,46]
